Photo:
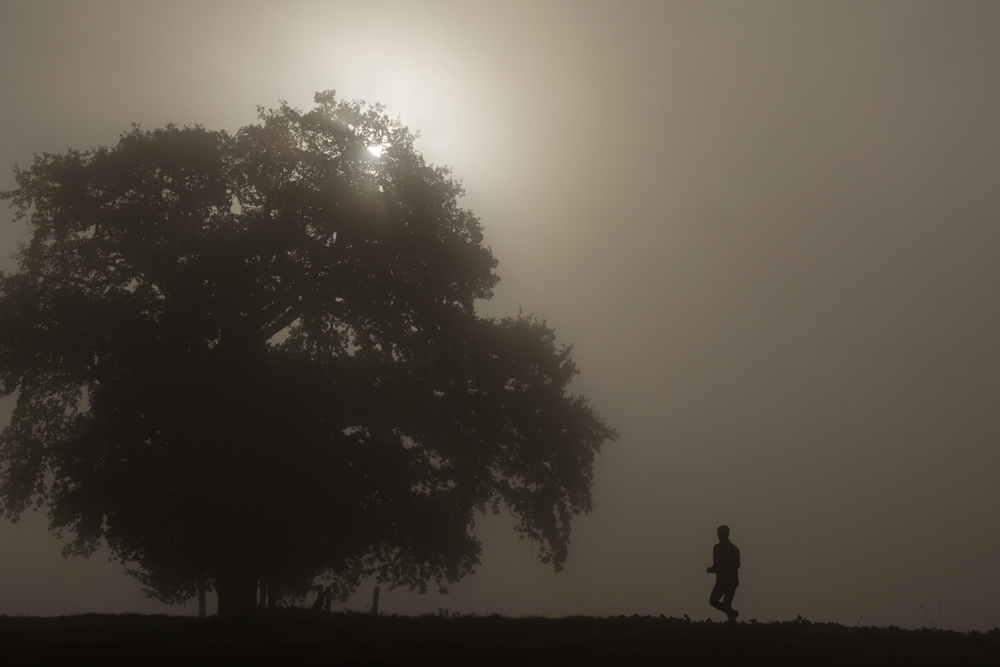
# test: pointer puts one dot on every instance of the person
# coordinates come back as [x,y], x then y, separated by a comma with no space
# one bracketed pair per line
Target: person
[725,565]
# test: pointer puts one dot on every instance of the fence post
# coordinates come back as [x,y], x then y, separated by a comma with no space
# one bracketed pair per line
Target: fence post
[329,598]
[201,599]
[375,602]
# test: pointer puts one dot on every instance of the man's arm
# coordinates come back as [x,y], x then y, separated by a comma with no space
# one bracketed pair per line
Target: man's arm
[715,558]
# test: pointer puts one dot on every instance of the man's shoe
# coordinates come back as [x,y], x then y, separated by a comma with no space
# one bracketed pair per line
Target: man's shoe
[732,615]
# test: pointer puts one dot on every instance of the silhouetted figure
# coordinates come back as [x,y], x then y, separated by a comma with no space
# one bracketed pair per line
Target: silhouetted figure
[725,565]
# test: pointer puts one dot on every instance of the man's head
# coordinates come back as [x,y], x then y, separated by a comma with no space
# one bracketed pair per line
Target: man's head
[723,532]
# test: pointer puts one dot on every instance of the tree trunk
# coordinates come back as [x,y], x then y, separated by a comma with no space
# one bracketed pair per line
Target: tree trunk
[201,599]
[272,596]
[237,594]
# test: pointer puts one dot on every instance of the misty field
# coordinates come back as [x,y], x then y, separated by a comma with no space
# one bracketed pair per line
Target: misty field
[350,638]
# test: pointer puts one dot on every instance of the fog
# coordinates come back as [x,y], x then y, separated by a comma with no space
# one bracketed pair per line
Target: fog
[768,229]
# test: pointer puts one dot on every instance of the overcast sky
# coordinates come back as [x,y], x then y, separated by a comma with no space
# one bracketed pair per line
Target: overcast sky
[769,229]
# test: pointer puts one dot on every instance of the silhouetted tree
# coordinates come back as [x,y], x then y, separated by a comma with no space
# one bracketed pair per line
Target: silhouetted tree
[256,356]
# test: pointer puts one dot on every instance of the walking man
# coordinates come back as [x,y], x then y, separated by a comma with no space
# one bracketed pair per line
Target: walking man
[725,565]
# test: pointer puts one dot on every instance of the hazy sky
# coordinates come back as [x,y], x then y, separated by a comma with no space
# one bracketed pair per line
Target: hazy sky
[769,229]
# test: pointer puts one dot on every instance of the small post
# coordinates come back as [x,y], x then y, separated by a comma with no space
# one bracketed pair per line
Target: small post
[440,612]
[446,614]
[201,599]
[375,602]
[329,598]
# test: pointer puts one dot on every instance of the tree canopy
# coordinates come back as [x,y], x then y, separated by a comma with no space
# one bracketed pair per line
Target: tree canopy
[256,355]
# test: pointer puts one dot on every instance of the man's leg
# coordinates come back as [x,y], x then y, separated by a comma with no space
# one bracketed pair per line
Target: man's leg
[727,603]
[716,596]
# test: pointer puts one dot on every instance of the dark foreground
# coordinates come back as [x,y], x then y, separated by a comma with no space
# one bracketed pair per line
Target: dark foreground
[294,637]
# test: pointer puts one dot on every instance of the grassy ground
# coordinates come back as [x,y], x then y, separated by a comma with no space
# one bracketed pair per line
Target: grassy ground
[296,637]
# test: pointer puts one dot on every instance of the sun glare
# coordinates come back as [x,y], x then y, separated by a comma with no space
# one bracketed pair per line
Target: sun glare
[376,150]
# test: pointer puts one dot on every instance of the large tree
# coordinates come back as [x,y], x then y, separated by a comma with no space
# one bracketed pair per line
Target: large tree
[257,356]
